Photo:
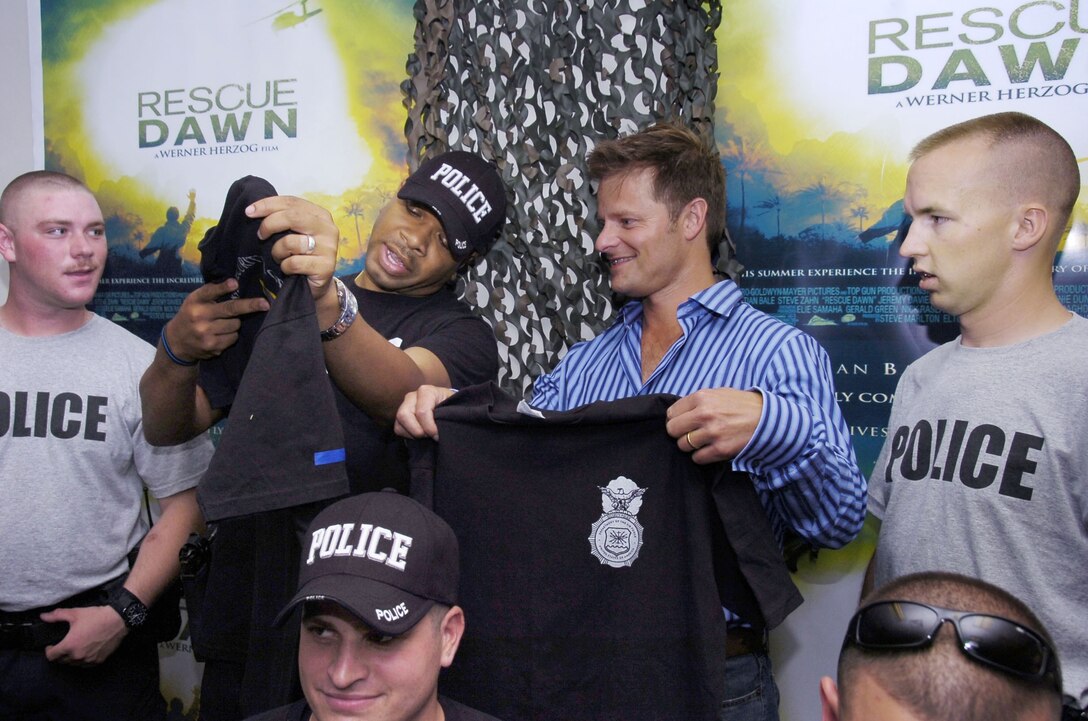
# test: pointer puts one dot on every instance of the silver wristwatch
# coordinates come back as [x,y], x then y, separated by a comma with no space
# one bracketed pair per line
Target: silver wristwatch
[349,308]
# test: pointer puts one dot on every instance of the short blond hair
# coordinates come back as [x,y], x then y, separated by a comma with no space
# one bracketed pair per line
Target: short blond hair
[1037,143]
[33,180]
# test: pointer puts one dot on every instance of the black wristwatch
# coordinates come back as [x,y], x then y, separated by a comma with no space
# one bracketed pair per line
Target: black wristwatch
[131,609]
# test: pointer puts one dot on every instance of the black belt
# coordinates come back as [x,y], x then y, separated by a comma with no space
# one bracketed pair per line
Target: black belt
[25,631]
[31,636]
[740,641]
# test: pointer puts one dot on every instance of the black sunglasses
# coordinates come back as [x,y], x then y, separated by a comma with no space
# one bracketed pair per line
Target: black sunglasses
[992,640]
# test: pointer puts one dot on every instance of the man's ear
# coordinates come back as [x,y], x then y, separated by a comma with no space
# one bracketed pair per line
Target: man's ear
[829,699]
[1032,227]
[451,630]
[693,218]
[7,243]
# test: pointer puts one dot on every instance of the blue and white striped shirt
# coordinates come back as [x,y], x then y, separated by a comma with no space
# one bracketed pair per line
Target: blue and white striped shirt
[799,457]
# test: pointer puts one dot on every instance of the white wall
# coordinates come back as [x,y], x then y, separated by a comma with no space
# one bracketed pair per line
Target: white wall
[17,118]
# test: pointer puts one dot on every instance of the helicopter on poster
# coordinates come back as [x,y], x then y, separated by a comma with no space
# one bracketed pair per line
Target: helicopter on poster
[286,17]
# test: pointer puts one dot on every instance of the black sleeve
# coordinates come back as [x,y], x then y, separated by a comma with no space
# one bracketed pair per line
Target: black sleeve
[467,347]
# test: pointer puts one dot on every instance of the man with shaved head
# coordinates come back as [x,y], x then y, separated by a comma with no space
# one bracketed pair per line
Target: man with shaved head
[982,471]
[80,571]
[937,646]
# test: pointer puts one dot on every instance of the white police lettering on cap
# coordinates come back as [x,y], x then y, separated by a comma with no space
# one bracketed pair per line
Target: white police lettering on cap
[391,614]
[472,197]
[334,540]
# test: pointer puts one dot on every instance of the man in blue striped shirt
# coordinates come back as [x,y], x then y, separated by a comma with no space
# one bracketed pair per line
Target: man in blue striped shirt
[754,391]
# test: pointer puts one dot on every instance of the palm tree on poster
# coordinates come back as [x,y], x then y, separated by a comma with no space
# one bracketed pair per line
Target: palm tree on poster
[355,210]
[825,195]
[861,214]
[773,203]
[745,161]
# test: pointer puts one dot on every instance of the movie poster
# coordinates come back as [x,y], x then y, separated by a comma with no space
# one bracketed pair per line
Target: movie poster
[160,105]
[818,107]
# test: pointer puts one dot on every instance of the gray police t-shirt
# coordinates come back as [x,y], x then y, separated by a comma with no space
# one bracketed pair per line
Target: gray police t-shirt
[985,472]
[74,461]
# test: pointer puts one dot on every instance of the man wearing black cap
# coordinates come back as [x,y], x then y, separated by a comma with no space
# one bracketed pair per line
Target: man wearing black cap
[378,588]
[392,327]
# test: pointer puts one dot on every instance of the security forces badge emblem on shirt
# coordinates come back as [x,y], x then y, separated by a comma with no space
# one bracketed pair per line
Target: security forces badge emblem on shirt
[616,537]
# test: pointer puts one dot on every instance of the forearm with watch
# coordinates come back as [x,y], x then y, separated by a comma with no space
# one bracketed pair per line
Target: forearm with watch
[157,562]
[371,372]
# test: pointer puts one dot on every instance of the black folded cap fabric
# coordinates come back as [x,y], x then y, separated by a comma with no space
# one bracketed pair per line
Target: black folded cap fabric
[231,248]
[283,444]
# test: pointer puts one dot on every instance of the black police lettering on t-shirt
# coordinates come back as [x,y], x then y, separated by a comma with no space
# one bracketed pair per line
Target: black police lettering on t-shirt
[64,415]
[953,451]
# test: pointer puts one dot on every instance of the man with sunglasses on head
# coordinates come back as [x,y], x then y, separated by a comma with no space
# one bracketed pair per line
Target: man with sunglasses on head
[982,471]
[940,646]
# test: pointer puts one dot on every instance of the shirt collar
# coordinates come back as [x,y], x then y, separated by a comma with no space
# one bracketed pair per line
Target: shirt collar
[720,299]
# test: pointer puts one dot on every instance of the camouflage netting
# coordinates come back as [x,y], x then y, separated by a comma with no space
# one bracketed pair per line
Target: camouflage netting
[531,84]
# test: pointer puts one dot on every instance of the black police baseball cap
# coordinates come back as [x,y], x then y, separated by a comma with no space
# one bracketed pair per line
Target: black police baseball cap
[468,196]
[382,556]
